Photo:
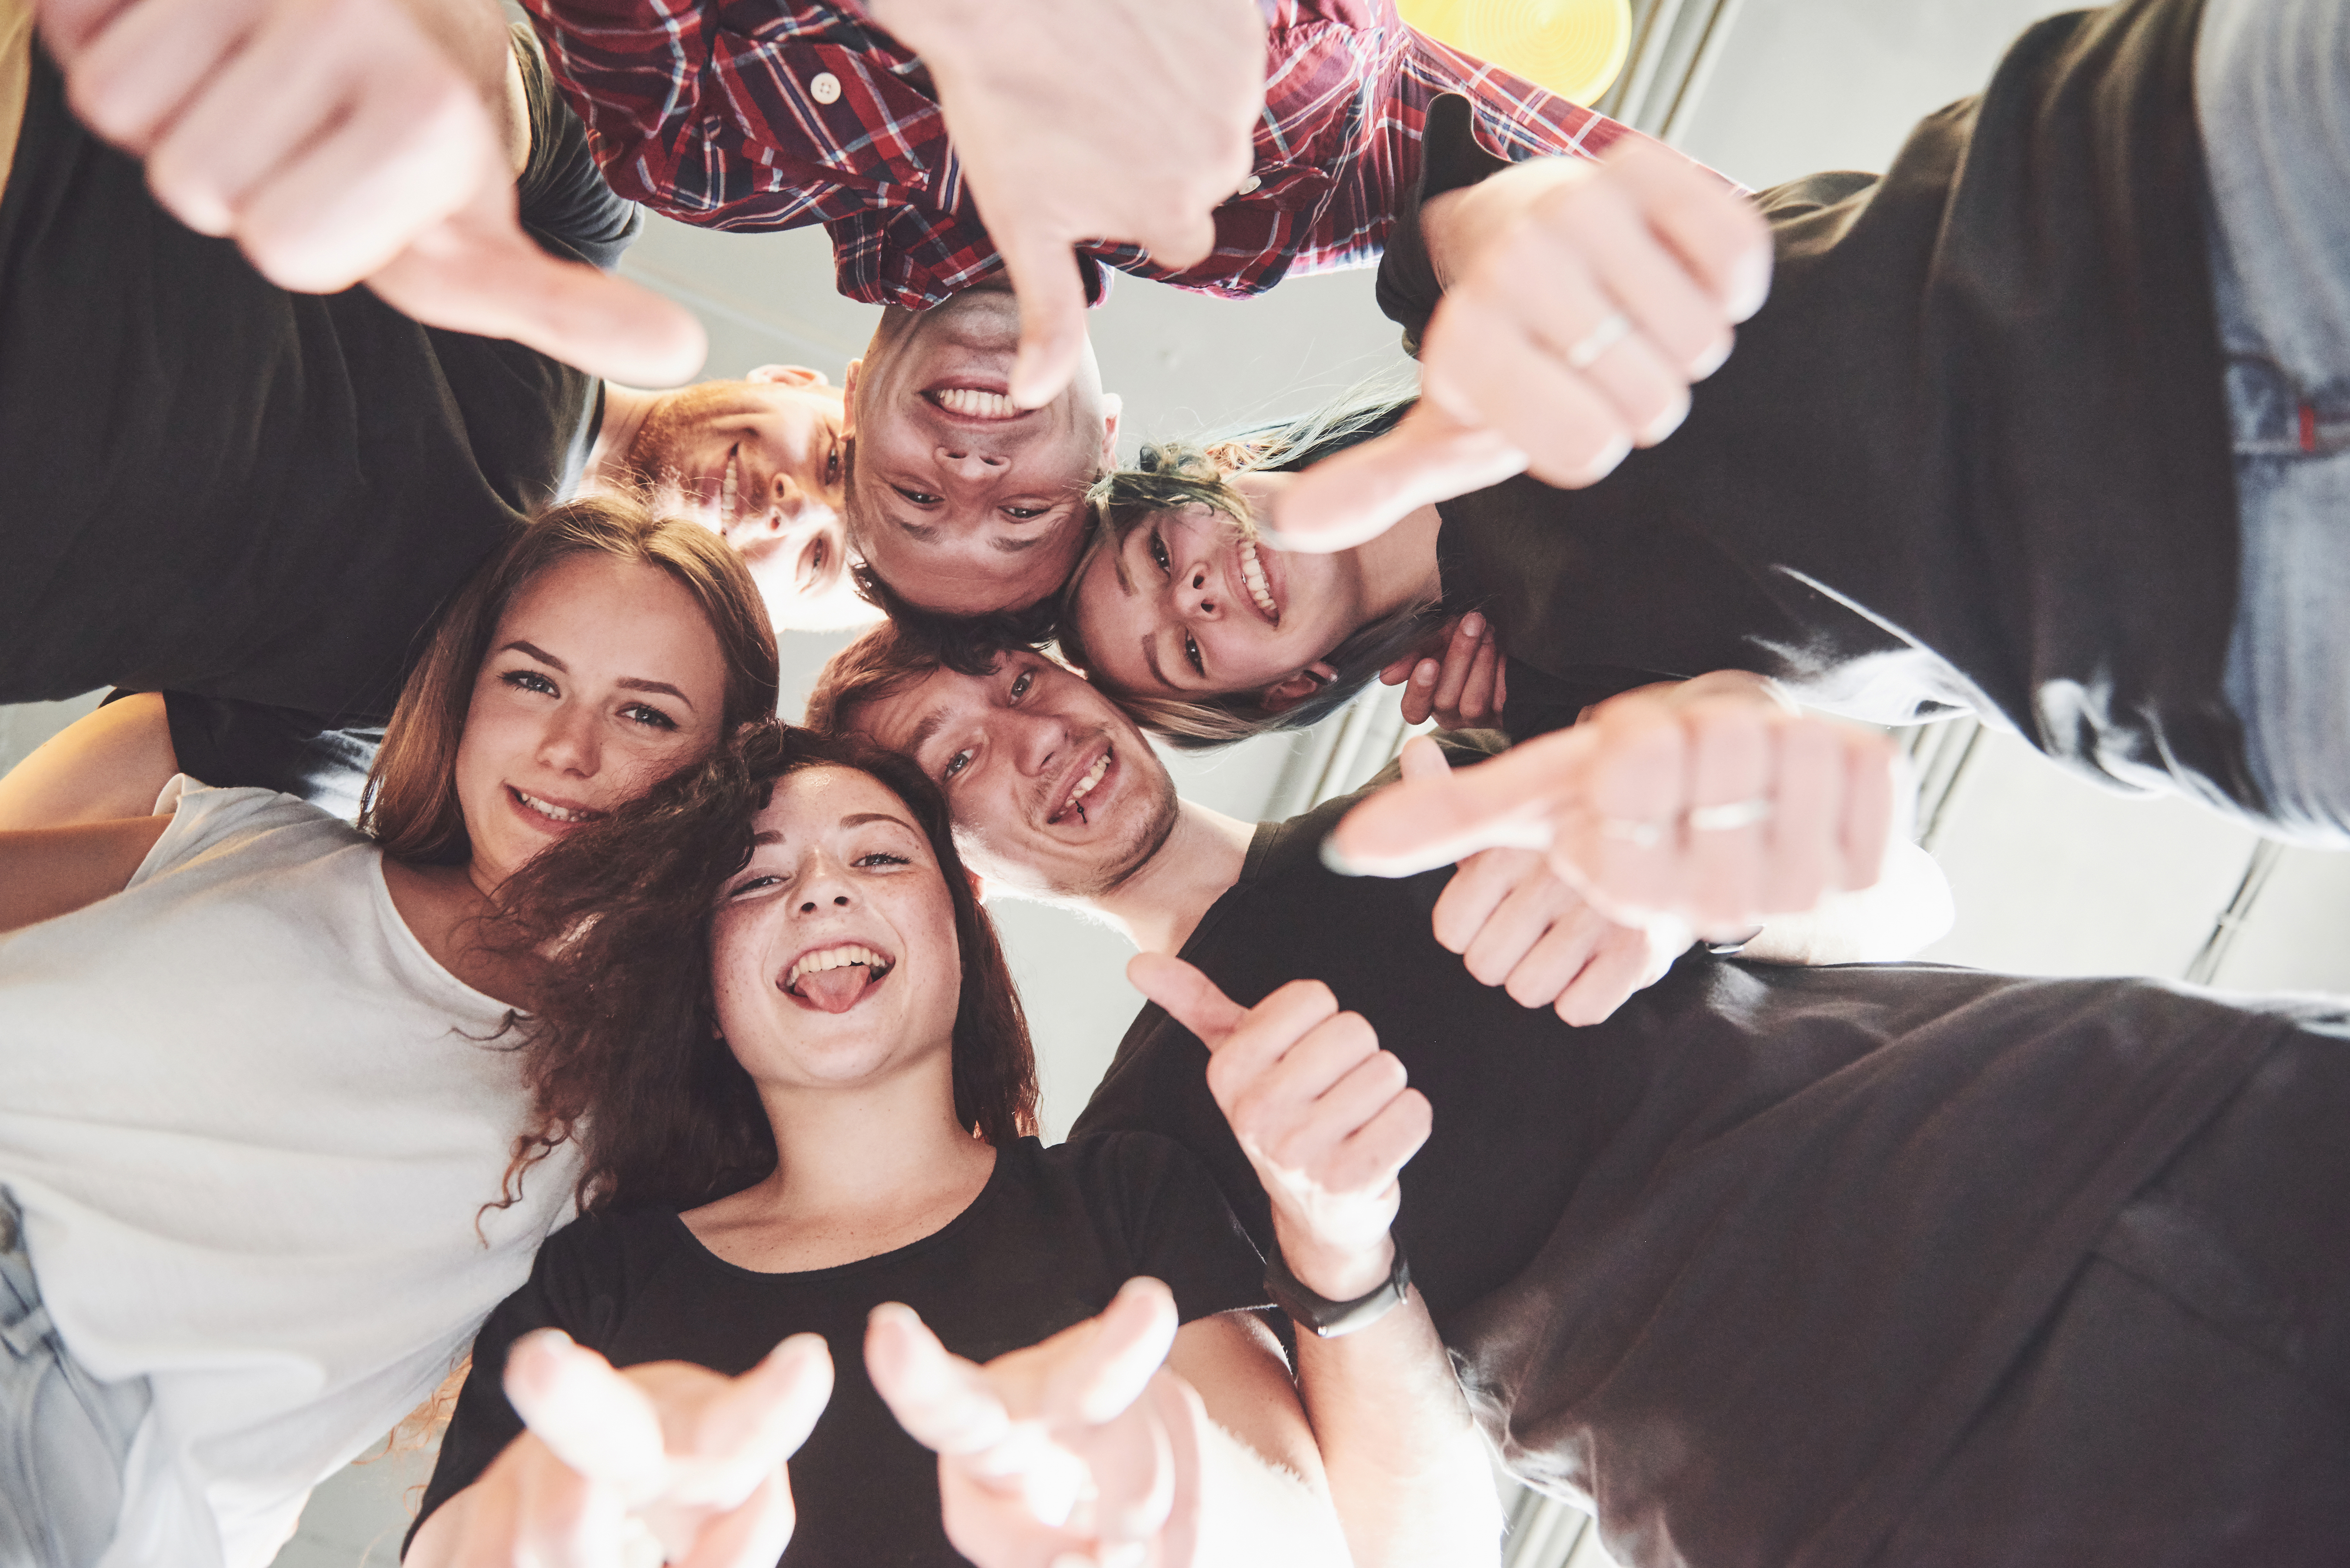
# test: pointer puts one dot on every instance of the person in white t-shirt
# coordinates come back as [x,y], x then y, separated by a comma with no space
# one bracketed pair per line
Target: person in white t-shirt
[262,1151]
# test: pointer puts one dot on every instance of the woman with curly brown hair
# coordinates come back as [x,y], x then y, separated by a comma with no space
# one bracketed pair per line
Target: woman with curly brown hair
[781,1033]
[259,1094]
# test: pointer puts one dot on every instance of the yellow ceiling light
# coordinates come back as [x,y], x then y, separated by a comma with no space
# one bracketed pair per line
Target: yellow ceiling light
[1574,47]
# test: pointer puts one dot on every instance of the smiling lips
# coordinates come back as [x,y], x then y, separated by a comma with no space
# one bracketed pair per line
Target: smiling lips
[1074,801]
[547,811]
[1252,577]
[836,979]
[974,403]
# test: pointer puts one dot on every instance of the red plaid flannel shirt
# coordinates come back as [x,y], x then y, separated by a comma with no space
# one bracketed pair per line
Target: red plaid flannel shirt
[770,114]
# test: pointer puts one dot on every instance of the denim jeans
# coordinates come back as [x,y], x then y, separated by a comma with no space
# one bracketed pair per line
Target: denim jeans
[64,1435]
[2272,99]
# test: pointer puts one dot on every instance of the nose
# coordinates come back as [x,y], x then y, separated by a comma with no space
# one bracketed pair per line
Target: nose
[1039,742]
[967,461]
[785,501]
[1195,593]
[570,743]
[823,885]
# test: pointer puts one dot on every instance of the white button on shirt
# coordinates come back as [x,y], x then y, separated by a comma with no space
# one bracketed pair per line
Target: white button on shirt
[825,87]
[1248,185]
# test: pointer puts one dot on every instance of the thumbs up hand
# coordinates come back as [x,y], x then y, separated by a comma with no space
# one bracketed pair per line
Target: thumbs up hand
[1581,301]
[346,141]
[1321,1113]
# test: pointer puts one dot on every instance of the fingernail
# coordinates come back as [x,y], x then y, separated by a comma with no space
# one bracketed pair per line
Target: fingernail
[1424,672]
[1750,282]
[1712,359]
[1472,625]
[1604,461]
[1338,860]
[1667,422]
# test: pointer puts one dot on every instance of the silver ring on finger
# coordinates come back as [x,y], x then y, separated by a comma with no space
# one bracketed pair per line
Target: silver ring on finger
[1613,329]
[1729,816]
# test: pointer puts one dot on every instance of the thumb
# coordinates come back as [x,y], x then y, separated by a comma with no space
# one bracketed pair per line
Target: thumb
[1424,759]
[768,1412]
[505,287]
[1132,1337]
[1412,827]
[1180,239]
[1360,494]
[1191,998]
[944,1402]
[1052,295]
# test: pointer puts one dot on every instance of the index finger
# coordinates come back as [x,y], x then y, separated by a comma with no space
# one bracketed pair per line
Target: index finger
[588,1415]
[1411,827]
[944,1402]
[1051,291]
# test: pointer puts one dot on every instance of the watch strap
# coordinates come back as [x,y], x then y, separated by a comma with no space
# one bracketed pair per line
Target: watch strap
[1329,1319]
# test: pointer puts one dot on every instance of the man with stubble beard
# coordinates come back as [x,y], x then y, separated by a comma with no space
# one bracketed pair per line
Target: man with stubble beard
[1840,1265]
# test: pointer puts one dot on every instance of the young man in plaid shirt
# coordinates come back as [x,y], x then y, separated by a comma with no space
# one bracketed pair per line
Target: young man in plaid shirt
[978,424]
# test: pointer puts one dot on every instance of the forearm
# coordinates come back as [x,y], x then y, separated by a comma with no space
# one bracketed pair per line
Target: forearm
[1252,1513]
[1409,1472]
[1908,909]
[52,871]
[441,1533]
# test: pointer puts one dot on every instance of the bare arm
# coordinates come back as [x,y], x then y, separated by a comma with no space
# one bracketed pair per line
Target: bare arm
[103,766]
[1326,1119]
[46,872]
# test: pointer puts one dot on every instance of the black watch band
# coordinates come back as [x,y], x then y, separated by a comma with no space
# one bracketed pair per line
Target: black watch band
[1329,1319]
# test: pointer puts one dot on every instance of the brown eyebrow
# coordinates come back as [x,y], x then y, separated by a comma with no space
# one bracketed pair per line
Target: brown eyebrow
[1150,657]
[923,531]
[925,731]
[626,683]
[859,818]
[1003,546]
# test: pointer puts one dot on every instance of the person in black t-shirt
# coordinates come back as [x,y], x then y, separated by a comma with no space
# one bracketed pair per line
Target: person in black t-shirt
[820,1107]
[1973,455]
[247,503]
[1846,1265]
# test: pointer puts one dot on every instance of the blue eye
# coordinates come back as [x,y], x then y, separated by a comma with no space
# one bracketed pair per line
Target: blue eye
[528,681]
[650,717]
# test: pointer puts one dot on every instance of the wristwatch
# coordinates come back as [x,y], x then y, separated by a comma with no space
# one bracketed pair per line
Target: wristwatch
[1329,1319]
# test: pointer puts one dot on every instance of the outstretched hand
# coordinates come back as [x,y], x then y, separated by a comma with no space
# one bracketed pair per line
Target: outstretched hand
[1321,1113]
[1581,302]
[665,1463]
[1081,1448]
[347,142]
[1080,120]
[1710,800]
[1518,925]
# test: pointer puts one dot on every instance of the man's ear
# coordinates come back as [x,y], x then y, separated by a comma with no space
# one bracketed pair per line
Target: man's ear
[849,397]
[1282,696]
[789,376]
[1112,405]
[978,884]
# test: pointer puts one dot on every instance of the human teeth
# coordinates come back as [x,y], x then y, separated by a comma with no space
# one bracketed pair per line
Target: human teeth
[836,958]
[973,403]
[1252,577]
[1085,785]
[557,813]
[726,491]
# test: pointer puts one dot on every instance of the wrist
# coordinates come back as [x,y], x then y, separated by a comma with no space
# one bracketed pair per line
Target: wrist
[1335,1272]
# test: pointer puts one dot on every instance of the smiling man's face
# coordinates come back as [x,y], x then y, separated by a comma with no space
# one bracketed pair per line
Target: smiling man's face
[1052,788]
[960,502]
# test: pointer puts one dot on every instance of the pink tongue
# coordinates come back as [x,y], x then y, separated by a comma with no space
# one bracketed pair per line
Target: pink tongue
[837,989]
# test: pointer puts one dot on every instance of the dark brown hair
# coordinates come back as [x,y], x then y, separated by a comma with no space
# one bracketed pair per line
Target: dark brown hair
[885,659]
[411,805]
[623,1055]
